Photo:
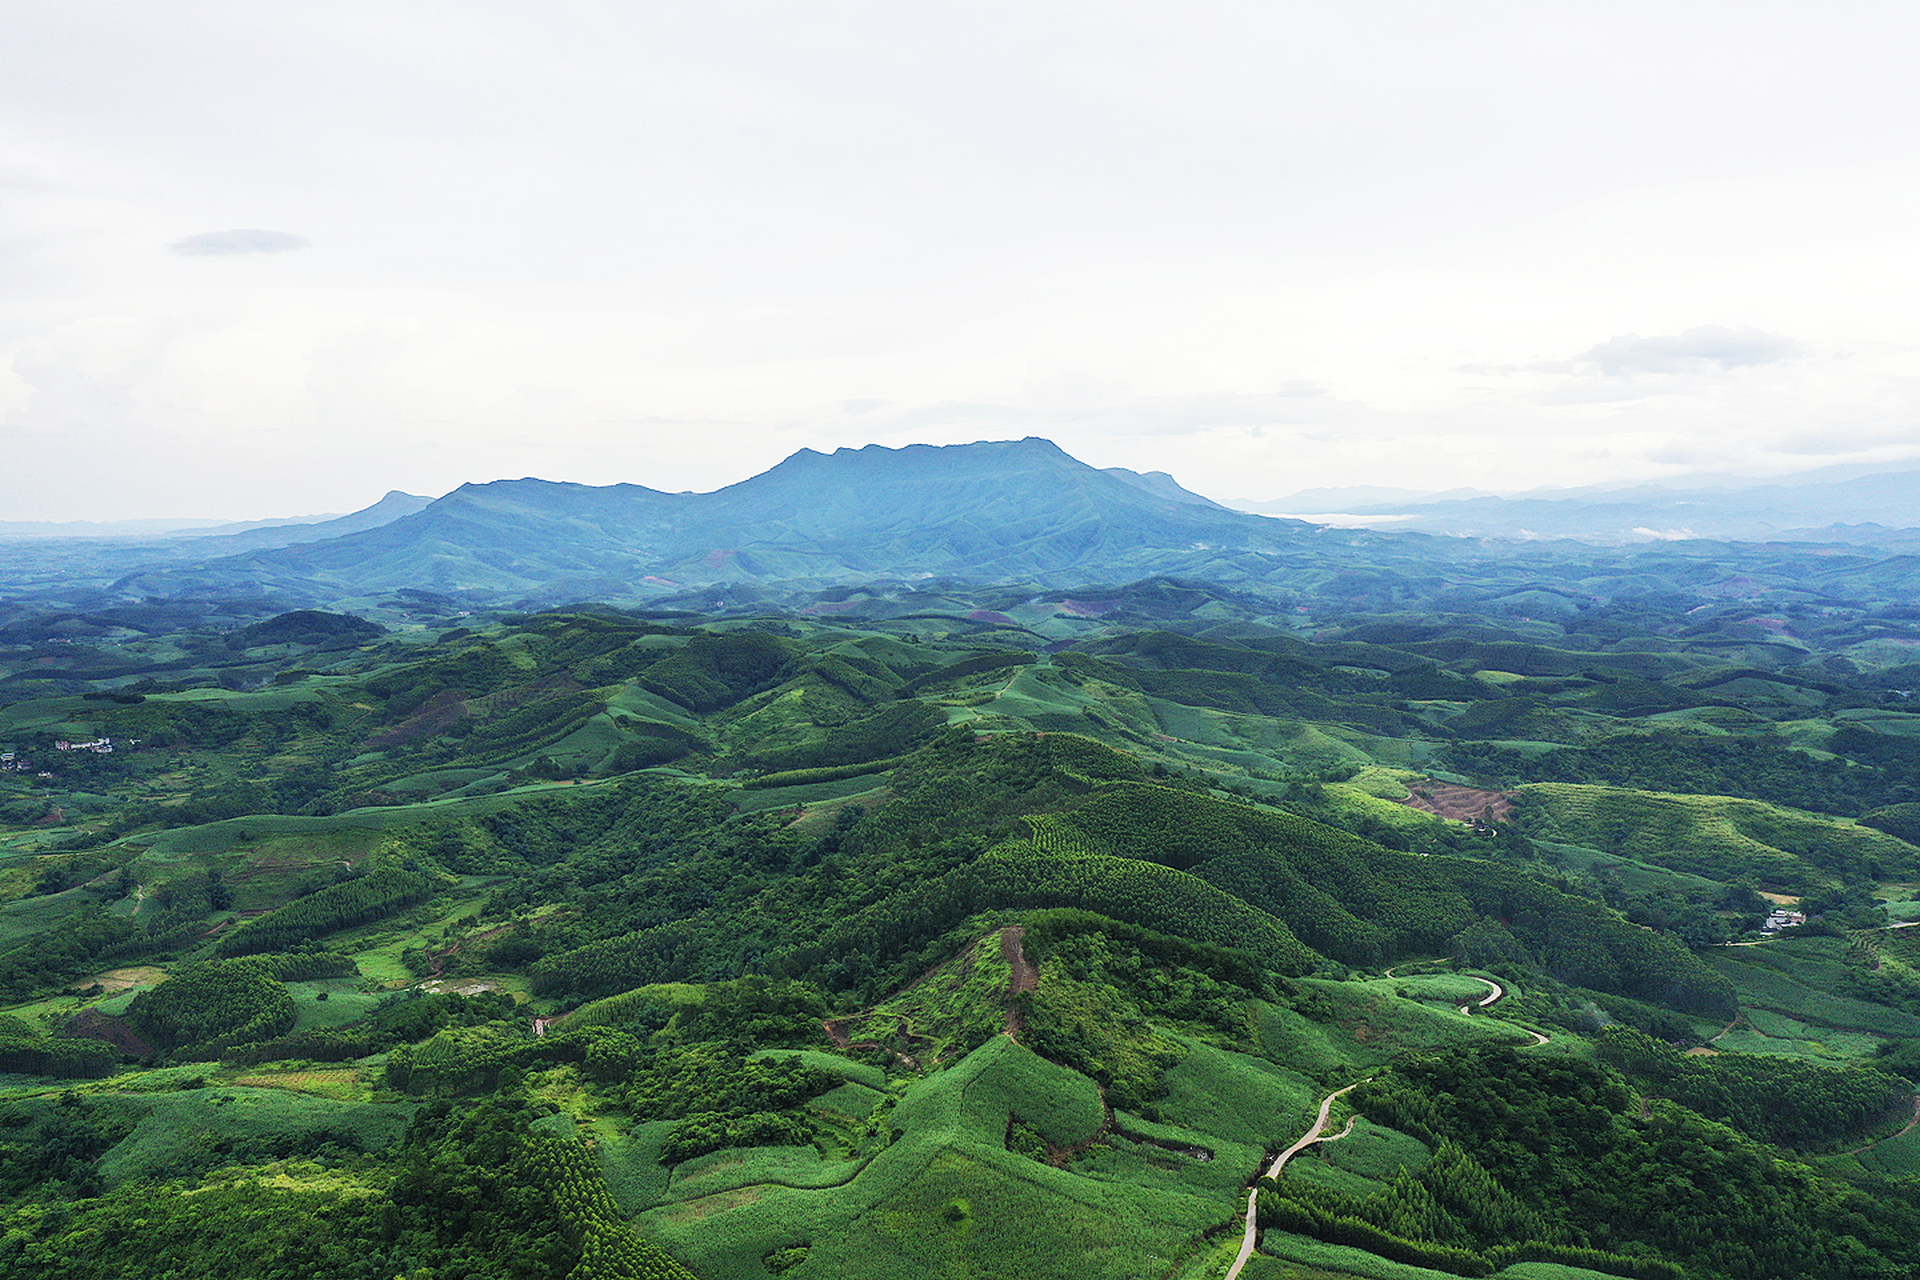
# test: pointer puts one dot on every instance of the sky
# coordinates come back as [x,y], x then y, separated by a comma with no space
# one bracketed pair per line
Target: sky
[266,259]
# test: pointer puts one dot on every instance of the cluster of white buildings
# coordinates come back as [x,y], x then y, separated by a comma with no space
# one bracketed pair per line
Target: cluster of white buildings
[99,746]
[1782,917]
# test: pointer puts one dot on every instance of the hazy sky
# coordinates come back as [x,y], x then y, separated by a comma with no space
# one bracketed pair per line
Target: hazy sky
[265,258]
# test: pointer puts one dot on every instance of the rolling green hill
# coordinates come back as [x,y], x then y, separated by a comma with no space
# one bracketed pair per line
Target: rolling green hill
[974,930]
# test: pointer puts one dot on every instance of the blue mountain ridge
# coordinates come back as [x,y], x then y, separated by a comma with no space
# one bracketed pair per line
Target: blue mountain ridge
[1021,509]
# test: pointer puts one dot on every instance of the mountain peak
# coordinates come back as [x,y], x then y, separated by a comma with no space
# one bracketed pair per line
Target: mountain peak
[991,509]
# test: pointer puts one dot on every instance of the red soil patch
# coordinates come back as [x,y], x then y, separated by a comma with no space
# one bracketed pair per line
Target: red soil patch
[91,1024]
[1461,804]
[1086,608]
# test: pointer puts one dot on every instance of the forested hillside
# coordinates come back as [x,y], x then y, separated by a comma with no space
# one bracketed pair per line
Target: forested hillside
[946,930]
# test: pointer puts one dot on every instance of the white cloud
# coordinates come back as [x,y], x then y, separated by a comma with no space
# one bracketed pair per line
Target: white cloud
[239,240]
[1261,247]
[1697,349]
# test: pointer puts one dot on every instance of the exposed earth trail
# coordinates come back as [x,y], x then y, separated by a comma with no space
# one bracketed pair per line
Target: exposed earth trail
[1251,1236]
[1494,992]
[1890,1137]
[1498,992]
[1024,977]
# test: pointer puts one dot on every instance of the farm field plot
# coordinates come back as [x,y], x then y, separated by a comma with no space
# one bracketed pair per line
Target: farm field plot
[1637,876]
[1246,1101]
[1123,1159]
[1897,1157]
[187,1129]
[342,1084]
[1378,1023]
[1377,1152]
[330,1002]
[1786,988]
[949,1163]
[630,1160]
[1715,836]
[1766,1032]
[802,1167]
[1287,1251]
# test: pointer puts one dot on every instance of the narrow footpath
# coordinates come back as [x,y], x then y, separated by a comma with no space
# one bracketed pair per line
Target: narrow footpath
[1911,1124]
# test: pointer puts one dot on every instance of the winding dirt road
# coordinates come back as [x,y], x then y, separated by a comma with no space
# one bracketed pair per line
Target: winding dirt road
[1890,1137]
[1251,1237]
[1494,992]
[1497,992]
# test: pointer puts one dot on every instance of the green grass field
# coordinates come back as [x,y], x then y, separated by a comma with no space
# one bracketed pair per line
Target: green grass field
[1284,1256]
[947,1198]
[630,1160]
[1238,1099]
[1785,990]
[867,788]
[185,1129]
[1119,1158]
[863,1074]
[1784,1037]
[804,1167]
[849,1101]
[344,1002]
[1634,876]
[1377,1152]
[1714,836]
[1372,1022]
[1897,1157]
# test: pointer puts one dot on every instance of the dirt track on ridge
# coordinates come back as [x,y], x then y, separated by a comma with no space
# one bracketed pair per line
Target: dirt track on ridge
[1024,976]
[1251,1236]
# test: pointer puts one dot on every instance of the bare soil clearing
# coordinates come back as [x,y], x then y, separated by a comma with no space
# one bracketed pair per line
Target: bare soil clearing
[1024,976]
[142,975]
[1458,804]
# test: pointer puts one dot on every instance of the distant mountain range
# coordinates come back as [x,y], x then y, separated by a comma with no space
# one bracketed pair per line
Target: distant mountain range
[993,511]
[1848,504]
[279,532]
[903,522]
